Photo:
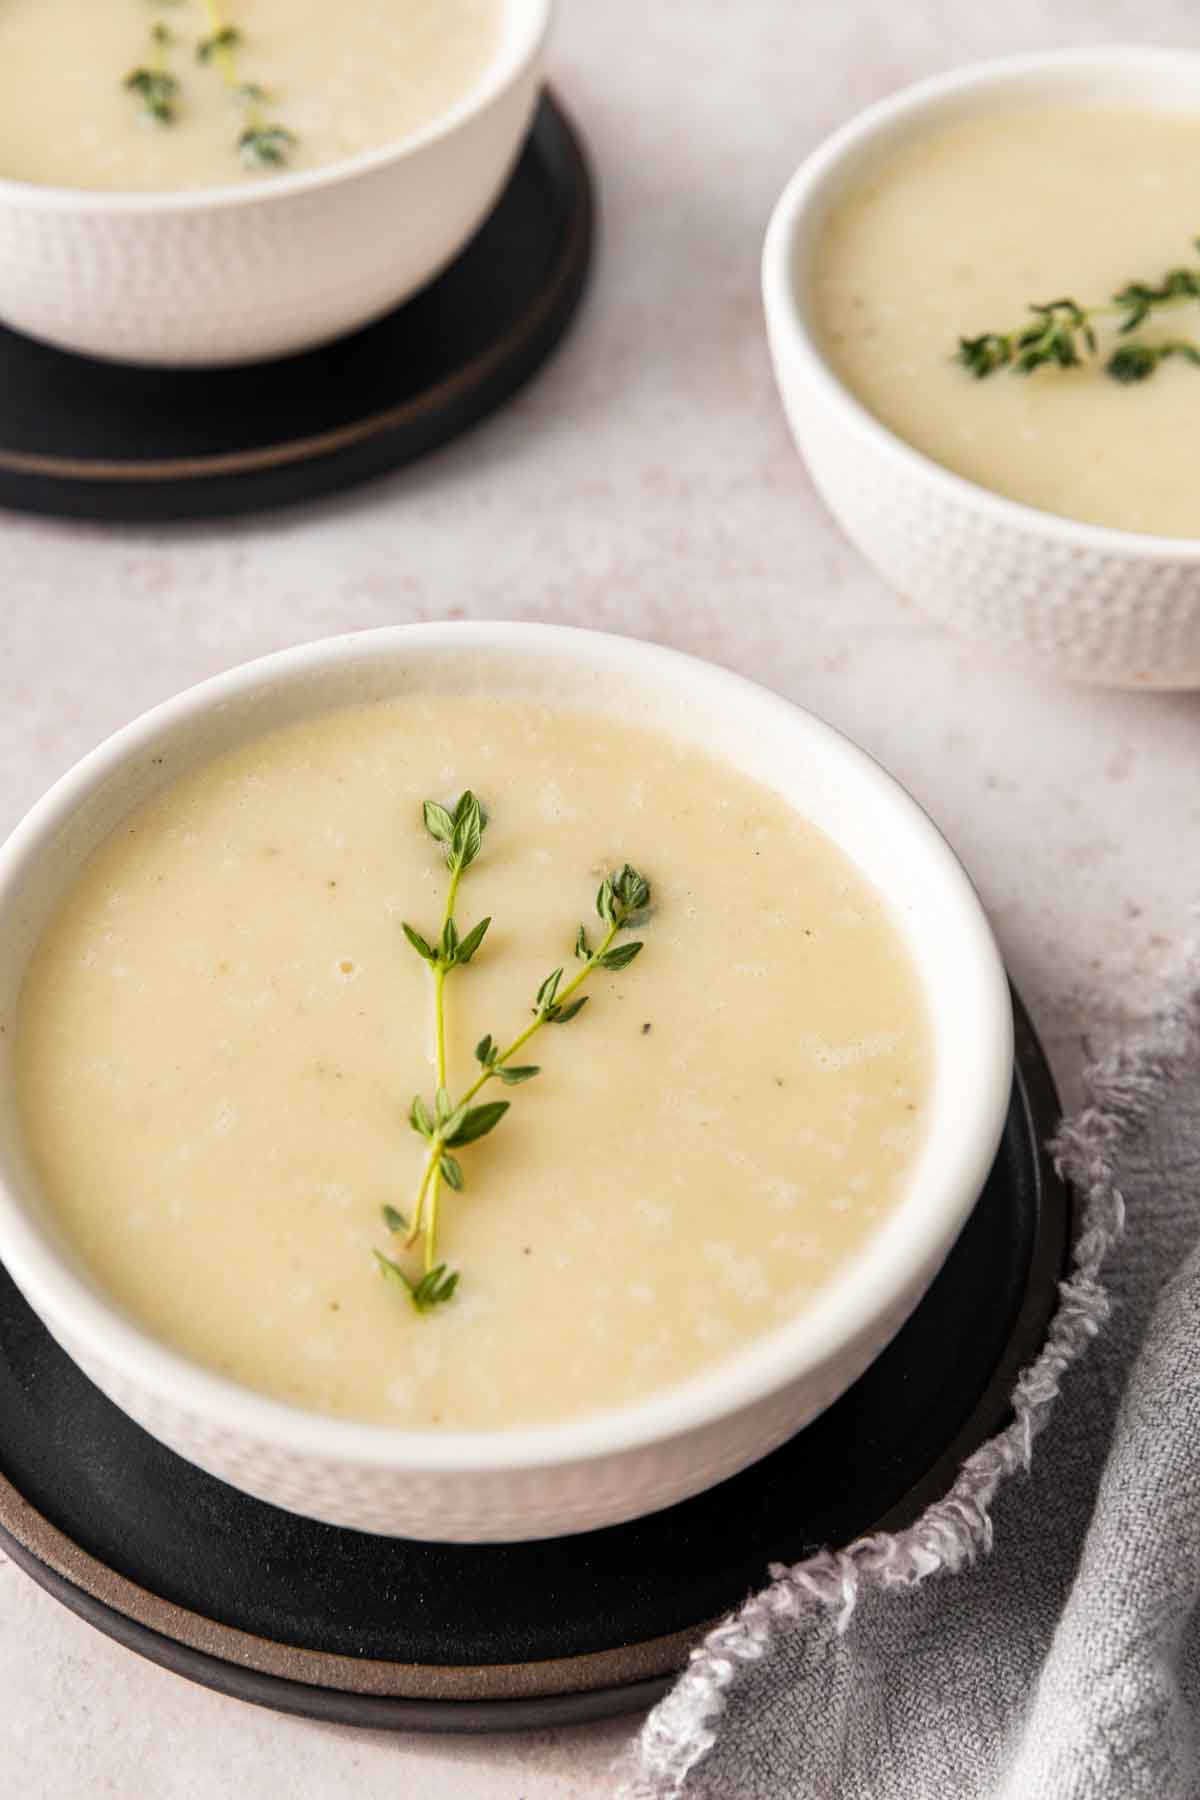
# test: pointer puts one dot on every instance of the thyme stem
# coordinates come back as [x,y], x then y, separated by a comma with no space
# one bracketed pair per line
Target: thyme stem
[432,1178]
[440,973]
[160,39]
[594,961]
[439,1003]
[222,37]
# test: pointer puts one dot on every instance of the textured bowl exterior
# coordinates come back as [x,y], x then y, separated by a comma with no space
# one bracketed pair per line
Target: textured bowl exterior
[1086,602]
[1090,613]
[490,1505]
[602,1468]
[188,280]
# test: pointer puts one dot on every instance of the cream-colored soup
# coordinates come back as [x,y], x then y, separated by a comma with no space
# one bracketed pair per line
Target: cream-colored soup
[338,80]
[220,1035]
[954,234]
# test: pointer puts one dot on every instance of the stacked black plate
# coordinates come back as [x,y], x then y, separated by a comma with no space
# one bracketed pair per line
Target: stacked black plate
[99,440]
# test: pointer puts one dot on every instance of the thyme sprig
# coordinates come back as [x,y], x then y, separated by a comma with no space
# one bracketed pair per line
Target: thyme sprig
[153,82]
[1061,332]
[262,143]
[449,1124]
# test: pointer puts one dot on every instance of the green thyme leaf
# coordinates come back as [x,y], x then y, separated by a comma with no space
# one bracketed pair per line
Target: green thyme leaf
[632,890]
[478,1121]
[391,1271]
[228,38]
[419,1117]
[157,90]
[435,1288]
[1136,362]
[515,1076]
[438,822]
[450,1124]
[984,354]
[485,1052]
[449,944]
[620,957]
[1142,299]
[547,991]
[582,948]
[395,1221]
[467,837]
[470,944]
[1132,362]
[451,1169]
[562,1015]
[418,943]
[265,146]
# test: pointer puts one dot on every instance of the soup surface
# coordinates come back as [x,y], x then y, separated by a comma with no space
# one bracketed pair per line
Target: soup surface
[221,1034]
[955,234]
[338,80]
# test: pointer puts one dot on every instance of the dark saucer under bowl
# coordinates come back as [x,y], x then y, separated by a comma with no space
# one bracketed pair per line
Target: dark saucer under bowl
[98,440]
[362,1630]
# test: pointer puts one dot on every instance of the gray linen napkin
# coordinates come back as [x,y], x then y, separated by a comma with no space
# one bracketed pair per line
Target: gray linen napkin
[1065,1663]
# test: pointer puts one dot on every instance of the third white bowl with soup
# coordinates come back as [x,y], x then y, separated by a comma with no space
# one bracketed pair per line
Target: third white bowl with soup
[216,181]
[129,97]
[984,305]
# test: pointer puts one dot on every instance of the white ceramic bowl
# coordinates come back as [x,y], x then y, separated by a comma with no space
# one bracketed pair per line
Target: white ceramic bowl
[1082,600]
[595,1470]
[234,274]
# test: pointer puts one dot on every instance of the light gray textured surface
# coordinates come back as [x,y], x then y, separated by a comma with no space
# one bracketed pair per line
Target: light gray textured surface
[645,483]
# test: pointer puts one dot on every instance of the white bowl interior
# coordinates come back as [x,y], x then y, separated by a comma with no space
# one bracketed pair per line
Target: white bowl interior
[524,26]
[1164,80]
[823,776]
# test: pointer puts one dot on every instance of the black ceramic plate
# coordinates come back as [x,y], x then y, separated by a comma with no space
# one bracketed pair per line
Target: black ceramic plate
[101,440]
[375,1631]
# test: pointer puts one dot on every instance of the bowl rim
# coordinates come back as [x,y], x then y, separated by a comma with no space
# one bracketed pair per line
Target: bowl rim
[525,26]
[899,1252]
[787,318]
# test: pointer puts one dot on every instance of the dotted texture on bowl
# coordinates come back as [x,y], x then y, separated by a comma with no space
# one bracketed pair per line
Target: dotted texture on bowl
[1113,616]
[196,281]
[488,1505]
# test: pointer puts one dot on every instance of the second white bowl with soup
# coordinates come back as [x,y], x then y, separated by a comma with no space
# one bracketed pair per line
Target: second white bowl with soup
[1050,511]
[200,184]
[230,1187]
